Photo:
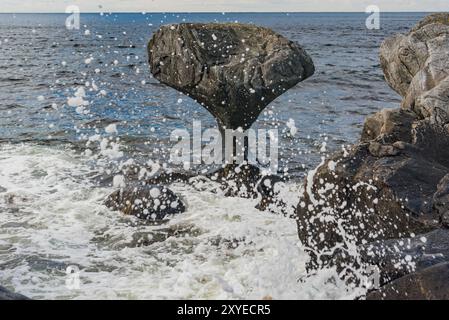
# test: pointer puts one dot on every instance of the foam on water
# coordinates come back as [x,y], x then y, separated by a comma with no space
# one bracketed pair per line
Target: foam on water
[52,217]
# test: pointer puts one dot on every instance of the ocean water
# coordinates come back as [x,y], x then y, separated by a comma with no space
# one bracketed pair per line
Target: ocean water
[52,150]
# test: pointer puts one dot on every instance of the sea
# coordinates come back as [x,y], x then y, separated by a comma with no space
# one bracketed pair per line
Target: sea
[79,105]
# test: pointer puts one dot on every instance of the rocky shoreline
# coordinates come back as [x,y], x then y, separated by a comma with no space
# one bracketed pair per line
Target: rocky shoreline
[392,187]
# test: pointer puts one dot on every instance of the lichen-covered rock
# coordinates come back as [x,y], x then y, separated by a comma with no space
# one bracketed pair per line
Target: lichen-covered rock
[150,202]
[393,184]
[234,70]
[416,66]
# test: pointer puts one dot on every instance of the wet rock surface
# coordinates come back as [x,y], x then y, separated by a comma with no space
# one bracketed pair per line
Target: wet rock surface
[234,70]
[5,294]
[396,258]
[394,183]
[248,181]
[237,180]
[150,202]
[429,284]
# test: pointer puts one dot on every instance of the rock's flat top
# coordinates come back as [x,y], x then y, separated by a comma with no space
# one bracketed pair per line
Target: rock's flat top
[234,70]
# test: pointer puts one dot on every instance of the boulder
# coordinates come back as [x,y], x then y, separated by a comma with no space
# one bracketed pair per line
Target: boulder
[441,201]
[234,70]
[393,184]
[416,65]
[149,202]
[428,284]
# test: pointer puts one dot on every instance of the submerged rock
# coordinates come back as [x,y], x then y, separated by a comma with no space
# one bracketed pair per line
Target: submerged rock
[393,184]
[234,70]
[237,180]
[248,181]
[5,294]
[144,238]
[150,202]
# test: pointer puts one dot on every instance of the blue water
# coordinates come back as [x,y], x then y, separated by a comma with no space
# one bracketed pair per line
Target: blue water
[329,107]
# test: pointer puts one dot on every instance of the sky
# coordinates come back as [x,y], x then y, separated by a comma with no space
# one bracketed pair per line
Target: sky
[222,5]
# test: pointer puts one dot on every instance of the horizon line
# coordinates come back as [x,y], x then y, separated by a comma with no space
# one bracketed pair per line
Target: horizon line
[215,12]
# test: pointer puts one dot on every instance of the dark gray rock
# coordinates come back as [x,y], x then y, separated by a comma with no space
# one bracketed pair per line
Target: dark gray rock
[441,201]
[150,202]
[247,181]
[428,284]
[5,294]
[237,180]
[398,257]
[271,199]
[365,198]
[234,70]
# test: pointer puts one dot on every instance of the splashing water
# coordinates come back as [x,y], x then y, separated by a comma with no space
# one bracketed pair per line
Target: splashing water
[52,217]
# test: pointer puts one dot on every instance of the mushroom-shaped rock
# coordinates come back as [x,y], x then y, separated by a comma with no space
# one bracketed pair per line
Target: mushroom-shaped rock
[234,70]
[148,202]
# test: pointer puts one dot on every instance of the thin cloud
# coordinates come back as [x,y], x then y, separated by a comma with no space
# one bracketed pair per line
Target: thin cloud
[222,5]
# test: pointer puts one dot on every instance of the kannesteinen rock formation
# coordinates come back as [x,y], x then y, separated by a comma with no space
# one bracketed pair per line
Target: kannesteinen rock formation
[234,70]
[394,183]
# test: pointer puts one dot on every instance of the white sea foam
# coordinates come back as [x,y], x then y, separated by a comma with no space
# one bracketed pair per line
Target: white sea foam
[52,217]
